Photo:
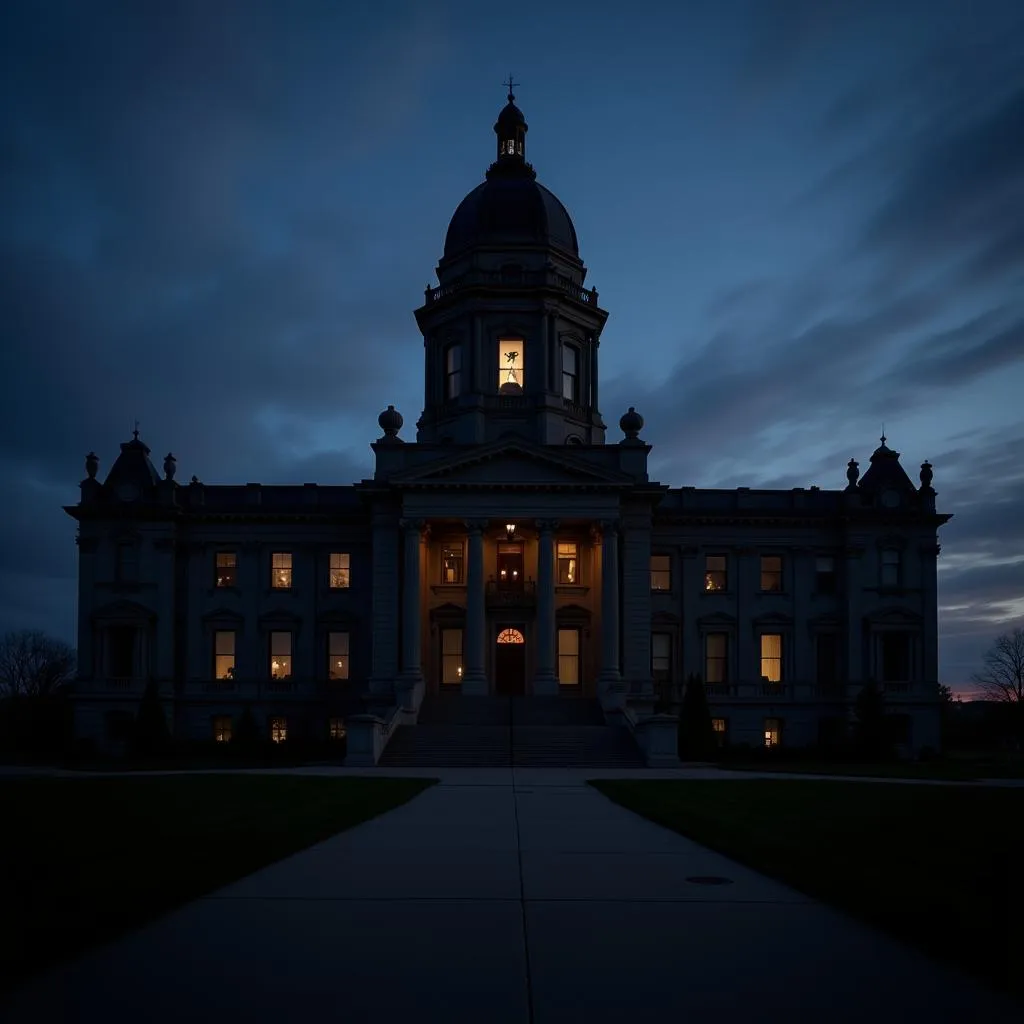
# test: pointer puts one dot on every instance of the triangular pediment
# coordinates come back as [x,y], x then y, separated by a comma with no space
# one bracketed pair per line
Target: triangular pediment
[510,463]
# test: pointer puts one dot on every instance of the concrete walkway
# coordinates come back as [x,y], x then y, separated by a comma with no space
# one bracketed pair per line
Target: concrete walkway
[494,898]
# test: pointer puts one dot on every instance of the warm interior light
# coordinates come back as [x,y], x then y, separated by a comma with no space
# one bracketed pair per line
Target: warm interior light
[510,529]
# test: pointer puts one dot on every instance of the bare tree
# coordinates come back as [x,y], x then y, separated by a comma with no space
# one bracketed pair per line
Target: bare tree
[33,664]
[1002,674]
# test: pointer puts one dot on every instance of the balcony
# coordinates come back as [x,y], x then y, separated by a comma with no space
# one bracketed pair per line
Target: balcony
[523,595]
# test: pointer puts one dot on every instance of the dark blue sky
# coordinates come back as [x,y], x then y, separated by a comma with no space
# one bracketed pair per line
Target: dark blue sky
[805,217]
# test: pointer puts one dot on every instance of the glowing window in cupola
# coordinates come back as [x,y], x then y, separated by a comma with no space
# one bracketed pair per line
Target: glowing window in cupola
[510,364]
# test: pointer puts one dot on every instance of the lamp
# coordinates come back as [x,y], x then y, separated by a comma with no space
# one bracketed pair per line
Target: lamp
[510,530]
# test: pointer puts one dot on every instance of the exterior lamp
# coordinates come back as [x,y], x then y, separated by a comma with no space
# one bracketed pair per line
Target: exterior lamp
[510,529]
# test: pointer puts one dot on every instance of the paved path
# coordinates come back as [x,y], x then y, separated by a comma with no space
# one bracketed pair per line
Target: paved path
[492,898]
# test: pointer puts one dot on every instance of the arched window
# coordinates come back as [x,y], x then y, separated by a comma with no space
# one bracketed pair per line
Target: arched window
[510,636]
[570,374]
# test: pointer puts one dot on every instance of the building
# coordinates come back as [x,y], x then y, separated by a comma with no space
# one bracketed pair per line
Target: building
[511,549]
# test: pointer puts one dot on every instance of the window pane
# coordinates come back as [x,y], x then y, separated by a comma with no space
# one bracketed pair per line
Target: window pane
[280,655]
[451,564]
[568,359]
[568,564]
[771,657]
[340,570]
[281,570]
[827,657]
[569,657]
[716,653]
[224,654]
[222,729]
[454,358]
[510,362]
[337,655]
[451,656]
[661,655]
[661,572]
[336,728]
[227,569]
[772,732]
[279,729]
[771,572]
[715,572]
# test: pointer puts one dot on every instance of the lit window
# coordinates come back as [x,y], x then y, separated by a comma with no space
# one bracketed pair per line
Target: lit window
[127,562]
[451,656]
[825,574]
[890,568]
[715,573]
[341,577]
[224,654]
[280,655]
[827,657]
[661,572]
[569,657]
[771,658]
[661,657]
[568,564]
[510,636]
[336,728]
[716,658]
[337,655]
[227,569]
[720,727]
[570,374]
[510,364]
[281,570]
[771,573]
[453,371]
[222,729]
[772,732]
[451,564]
[279,730]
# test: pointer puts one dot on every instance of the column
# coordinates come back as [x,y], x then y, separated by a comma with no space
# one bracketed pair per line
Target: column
[593,373]
[635,602]
[412,669]
[610,681]
[384,615]
[474,679]
[545,682]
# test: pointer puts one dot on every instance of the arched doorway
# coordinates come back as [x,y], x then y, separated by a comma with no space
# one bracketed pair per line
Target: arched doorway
[510,662]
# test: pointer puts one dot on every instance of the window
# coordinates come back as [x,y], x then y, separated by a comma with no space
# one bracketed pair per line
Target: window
[568,564]
[222,729]
[280,655]
[772,732]
[716,576]
[453,371]
[771,658]
[569,657]
[510,364]
[451,656]
[661,572]
[121,652]
[279,730]
[661,657]
[771,573]
[281,570]
[337,655]
[825,574]
[336,728]
[127,562]
[895,656]
[451,564]
[716,658]
[341,577]
[224,654]
[227,569]
[570,373]
[827,654]
[890,568]
[720,727]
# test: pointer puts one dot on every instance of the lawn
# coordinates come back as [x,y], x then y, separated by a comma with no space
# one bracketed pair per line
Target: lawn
[938,866]
[950,769]
[83,860]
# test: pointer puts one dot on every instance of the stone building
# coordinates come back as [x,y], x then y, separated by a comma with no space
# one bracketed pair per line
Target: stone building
[510,550]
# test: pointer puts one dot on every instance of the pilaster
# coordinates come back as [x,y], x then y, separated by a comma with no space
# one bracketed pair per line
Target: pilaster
[609,683]
[636,603]
[384,604]
[474,678]
[546,680]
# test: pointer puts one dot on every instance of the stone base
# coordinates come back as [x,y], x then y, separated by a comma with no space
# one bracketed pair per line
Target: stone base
[545,686]
[475,686]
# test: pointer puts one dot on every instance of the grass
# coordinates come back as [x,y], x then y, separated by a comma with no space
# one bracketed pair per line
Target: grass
[937,866]
[951,769]
[84,860]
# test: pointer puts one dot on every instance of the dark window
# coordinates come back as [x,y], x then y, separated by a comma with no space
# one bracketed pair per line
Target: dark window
[890,568]
[895,657]
[570,374]
[825,574]
[453,371]
[773,732]
[121,651]
[568,564]
[661,657]
[716,575]
[661,572]
[451,563]
[127,562]
[827,658]
[771,573]
[716,658]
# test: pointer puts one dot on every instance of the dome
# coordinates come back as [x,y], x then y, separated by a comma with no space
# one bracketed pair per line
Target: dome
[512,210]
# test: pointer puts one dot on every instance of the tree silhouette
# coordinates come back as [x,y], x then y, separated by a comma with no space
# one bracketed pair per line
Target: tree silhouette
[696,733]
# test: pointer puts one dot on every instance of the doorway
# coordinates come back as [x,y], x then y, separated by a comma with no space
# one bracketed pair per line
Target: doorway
[510,663]
[510,567]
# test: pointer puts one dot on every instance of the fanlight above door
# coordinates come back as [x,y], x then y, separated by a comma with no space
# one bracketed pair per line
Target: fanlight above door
[510,636]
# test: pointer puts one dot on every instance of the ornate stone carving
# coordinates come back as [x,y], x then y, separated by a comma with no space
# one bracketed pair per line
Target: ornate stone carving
[926,476]
[852,474]
[92,465]
[170,466]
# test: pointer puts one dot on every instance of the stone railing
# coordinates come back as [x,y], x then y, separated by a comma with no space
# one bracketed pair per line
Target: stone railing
[522,596]
[525,279]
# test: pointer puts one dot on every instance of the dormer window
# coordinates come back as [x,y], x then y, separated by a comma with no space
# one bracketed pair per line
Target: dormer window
[453,371]
[570,374]
[510,365]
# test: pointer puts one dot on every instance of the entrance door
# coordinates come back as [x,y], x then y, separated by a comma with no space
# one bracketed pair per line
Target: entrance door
[510,663]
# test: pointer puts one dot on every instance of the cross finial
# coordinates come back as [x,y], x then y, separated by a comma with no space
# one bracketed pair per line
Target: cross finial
[135,432]
[510,85]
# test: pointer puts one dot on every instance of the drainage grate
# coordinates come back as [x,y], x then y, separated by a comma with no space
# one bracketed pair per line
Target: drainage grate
[709,880]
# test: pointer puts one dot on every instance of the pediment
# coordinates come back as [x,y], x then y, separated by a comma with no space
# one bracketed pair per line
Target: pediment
[124,611]
[448,611]
[573,612]
[510,463]
[223,615]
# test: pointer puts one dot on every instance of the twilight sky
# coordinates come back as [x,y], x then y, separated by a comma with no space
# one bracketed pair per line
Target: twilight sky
[805,217]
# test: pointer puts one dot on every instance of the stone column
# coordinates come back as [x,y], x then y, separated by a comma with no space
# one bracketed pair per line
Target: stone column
[384,615]
[609,683]
[474,678]
[635,602]
[412,651]
[545,682]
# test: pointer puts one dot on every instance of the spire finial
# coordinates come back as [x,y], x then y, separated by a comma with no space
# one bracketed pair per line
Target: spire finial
[511,85]
[883,434]
[135,432]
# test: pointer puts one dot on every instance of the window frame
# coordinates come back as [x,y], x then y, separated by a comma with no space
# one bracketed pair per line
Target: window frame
[276,581]
[771,576]
[571,563]
[762,658]
[230,671]
[452,371]
[518,373]
[571,378]
[890,558]
[662,674]
[710,574]
[767,729]
[458,656]
[278,729]
[459,559]
[724,658]
[573,659]
[336,729]
[721,734]
[223,728]
[272,654]
[223,580]
[831,575]
[343,579]
[661,574]
[345,656]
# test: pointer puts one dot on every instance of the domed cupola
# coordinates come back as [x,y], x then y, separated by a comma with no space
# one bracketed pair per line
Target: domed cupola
[511,129]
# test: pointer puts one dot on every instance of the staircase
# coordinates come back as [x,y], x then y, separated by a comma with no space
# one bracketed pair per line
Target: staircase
[503,732]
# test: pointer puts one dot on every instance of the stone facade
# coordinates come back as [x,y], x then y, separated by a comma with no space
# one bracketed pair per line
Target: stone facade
[510,549]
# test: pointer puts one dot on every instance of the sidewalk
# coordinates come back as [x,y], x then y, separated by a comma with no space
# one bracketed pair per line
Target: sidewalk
[489,895]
